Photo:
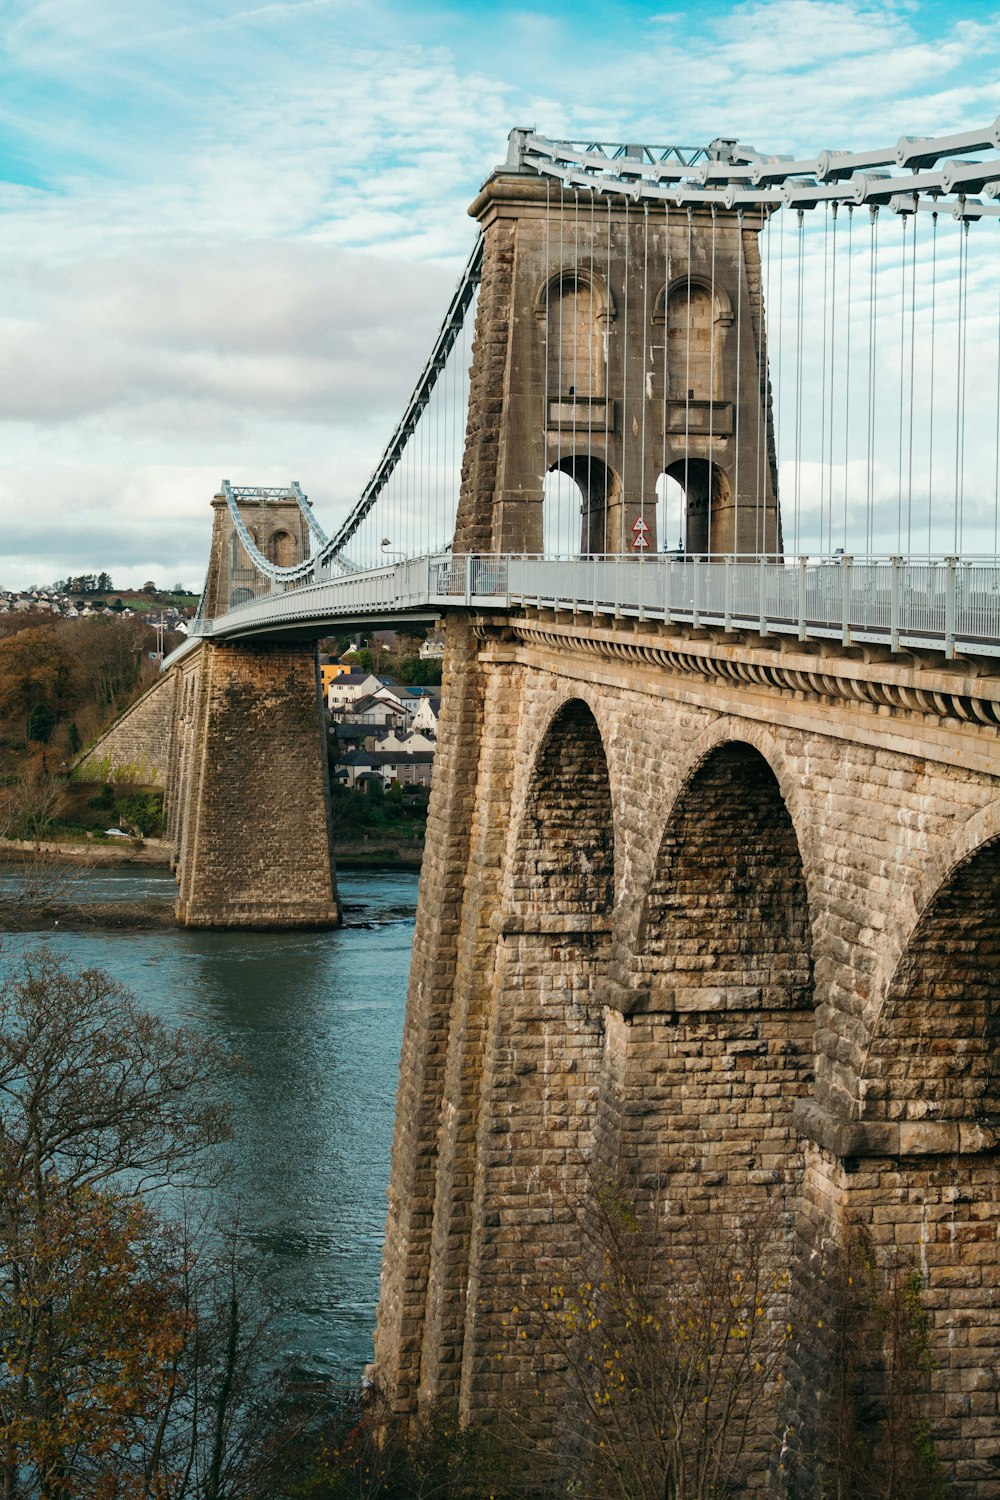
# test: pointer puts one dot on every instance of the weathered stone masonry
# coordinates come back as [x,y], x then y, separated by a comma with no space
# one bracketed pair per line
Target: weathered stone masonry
[235,732]
[721,934]
[248,796]
[137,746]
[716,915]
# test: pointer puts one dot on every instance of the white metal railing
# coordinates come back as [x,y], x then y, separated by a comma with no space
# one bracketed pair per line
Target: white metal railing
[947,604]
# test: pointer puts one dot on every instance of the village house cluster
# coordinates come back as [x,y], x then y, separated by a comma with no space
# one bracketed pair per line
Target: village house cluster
[73,606]
[382,730]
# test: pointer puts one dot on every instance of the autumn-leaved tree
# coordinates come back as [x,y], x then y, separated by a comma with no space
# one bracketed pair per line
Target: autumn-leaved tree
[128,1362]
[35,670]
[107,656]
[91,1329]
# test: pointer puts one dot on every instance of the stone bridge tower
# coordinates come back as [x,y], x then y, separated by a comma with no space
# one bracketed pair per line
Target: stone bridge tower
[617,344]
[277,527]
[705,913]
[247,785]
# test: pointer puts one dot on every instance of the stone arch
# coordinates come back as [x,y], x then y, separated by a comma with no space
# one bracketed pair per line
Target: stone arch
[576,507]
[542,1061]
[604,298]
[912,902]
[729,729]
[706,490]
[564,850]
[678,287]
[695,313]
[281,548]
[725,921]
[575,309]
[936,1052]
[717,1046]
[927,1176]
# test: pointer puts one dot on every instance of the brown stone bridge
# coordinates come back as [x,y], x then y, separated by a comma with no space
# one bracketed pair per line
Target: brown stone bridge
[706,910]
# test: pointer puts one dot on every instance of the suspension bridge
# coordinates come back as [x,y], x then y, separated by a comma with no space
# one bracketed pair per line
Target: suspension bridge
[703,473]
[873,398]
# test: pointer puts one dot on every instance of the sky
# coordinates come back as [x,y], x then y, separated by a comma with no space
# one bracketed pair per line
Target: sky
[228,231]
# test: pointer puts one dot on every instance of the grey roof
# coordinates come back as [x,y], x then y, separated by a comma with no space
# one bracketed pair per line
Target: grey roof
[388,758]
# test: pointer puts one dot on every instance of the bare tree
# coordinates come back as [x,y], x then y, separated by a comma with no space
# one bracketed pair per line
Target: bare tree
[36,883]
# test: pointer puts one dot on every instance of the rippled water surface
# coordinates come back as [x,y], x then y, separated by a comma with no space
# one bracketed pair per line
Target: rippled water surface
[317,1018]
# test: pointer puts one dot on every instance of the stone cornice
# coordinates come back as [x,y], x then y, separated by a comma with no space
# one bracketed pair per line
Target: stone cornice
[902,686]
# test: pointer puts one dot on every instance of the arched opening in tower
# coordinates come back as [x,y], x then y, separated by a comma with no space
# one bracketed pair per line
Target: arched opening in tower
[244,579]
[671,514]
[696,499]
[693,363]
[578,493]
[281,549]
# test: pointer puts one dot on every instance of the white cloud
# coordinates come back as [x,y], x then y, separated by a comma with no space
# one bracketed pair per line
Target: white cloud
[232,228]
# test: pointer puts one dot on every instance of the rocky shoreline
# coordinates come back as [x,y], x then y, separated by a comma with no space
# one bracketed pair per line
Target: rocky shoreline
[71,916]
[86,852]
[46,910]
[357,854]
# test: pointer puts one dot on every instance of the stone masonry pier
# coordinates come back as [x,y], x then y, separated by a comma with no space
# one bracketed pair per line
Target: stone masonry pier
[713,912]
[248,798]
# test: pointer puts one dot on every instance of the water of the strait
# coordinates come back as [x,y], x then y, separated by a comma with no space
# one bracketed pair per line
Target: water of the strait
[316,1020]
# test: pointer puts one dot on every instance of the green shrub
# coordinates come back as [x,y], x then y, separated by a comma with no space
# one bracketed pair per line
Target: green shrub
[144,811]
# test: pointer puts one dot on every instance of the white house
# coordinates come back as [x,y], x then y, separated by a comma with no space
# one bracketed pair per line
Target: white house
[349,687]
[372,710]
[425,720]
[405,743]
[432,647]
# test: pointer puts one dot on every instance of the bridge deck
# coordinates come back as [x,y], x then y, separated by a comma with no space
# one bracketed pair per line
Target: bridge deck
[949,605]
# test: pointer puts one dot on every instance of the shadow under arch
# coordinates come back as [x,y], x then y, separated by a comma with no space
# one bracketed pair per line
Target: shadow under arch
[725,923]
[721,1023]
[706,501]
[543,1054]
[580,490]
[935,1051]
[928,1178]
[564,854]
[912,903]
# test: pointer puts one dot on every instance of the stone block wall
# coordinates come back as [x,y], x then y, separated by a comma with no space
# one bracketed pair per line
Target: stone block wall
[638,277]
[248,808]
[137,746]
[716,918]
